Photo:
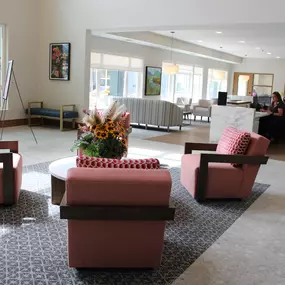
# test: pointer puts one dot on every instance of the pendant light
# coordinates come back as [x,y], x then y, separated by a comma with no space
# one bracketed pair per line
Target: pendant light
[171,68]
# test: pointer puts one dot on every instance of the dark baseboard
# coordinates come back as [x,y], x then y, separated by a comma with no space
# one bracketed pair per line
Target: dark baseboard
[35,121]
[66,124]
[13,123]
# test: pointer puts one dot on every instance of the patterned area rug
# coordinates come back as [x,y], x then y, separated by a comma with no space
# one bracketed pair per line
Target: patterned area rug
[33,240]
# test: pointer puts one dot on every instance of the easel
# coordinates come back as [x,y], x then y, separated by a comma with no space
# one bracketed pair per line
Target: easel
[10,72]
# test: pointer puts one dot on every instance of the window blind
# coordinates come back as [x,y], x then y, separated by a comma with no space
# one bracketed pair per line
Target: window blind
[110,61]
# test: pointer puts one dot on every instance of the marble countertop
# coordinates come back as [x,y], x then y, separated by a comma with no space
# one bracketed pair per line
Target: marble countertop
[260,115]
[237,102]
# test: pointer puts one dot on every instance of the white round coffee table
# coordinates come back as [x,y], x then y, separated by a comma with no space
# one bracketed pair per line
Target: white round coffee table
[58,170]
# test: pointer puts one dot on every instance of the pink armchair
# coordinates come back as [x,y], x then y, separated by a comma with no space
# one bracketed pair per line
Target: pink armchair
[10,173]
[208,176]
[116,217]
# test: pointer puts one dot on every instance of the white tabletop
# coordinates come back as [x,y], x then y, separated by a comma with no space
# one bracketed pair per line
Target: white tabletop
[260,115]
[59,168]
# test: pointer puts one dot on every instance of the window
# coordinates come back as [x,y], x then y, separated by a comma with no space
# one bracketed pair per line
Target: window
[184,82]
[166,87]
[197,84]
[187,83]
[217,81]
[115,76]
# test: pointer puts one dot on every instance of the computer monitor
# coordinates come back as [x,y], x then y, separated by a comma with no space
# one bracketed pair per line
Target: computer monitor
[222,98]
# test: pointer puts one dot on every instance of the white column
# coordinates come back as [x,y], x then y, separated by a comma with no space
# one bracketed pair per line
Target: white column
[205,82]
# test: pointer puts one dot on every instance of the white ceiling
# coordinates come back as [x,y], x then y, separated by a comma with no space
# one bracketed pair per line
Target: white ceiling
[269,38]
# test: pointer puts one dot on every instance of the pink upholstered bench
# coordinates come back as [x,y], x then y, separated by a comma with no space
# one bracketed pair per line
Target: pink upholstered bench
[116,217]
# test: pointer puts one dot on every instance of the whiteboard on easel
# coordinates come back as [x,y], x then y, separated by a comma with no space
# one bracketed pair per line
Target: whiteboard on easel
[8,80]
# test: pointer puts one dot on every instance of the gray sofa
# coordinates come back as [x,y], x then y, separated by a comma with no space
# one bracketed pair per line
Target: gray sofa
[153,112]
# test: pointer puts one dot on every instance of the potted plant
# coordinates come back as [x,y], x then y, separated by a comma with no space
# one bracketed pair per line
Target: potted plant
[103,133]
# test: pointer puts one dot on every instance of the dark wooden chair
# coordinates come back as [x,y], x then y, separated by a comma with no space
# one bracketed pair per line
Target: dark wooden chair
[10,172]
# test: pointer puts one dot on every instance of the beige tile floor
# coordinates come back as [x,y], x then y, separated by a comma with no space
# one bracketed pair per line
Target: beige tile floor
[200,132]
[250,252]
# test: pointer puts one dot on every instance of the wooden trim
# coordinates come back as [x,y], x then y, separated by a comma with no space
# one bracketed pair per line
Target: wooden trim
[249,85]
[116,213]
[206,158]
[8,178]
[12,145]
[238,159]
[66,124]
[14,123]
[189,147]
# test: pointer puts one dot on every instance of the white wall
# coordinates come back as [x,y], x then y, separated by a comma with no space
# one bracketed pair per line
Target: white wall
[155,57]
[111,15]
[21,20]
[34,24]
[68,20]
[275,66]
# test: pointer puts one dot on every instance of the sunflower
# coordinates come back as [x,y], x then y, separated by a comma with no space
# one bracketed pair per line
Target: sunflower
[101,127]
[110,130]
[110,124]
[92,128]
[98,134]
[104,135]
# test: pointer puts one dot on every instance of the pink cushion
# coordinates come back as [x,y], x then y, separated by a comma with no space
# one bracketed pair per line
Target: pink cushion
[224,180]
[233,141]
[101,187]
[95,162]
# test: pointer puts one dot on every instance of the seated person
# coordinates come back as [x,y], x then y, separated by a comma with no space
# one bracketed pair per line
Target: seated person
[273,126]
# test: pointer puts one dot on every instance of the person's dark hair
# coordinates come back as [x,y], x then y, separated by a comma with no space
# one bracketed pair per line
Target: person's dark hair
[279,98]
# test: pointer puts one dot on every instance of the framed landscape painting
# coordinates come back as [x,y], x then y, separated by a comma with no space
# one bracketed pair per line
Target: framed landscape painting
[59,61]
[153,81]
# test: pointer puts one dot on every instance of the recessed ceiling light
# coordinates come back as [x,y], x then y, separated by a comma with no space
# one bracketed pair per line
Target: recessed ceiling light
[257,48]
[199,41]
[219,32]
[277,56]
[269,53]
[242,42]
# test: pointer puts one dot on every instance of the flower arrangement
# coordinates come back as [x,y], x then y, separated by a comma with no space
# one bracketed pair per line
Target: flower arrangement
[103,133]
[59,58]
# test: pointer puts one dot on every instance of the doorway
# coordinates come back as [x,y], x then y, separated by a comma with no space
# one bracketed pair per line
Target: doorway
[243,84]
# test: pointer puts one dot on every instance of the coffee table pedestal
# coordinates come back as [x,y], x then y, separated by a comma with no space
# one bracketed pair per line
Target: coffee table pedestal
[57,190]
[58,170]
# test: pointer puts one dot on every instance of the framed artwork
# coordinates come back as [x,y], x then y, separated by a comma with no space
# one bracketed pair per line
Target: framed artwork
[8,79]
[153,81]
[59,61]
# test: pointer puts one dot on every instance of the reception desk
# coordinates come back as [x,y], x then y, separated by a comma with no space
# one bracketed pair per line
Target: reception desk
[239,103]
[241,118]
